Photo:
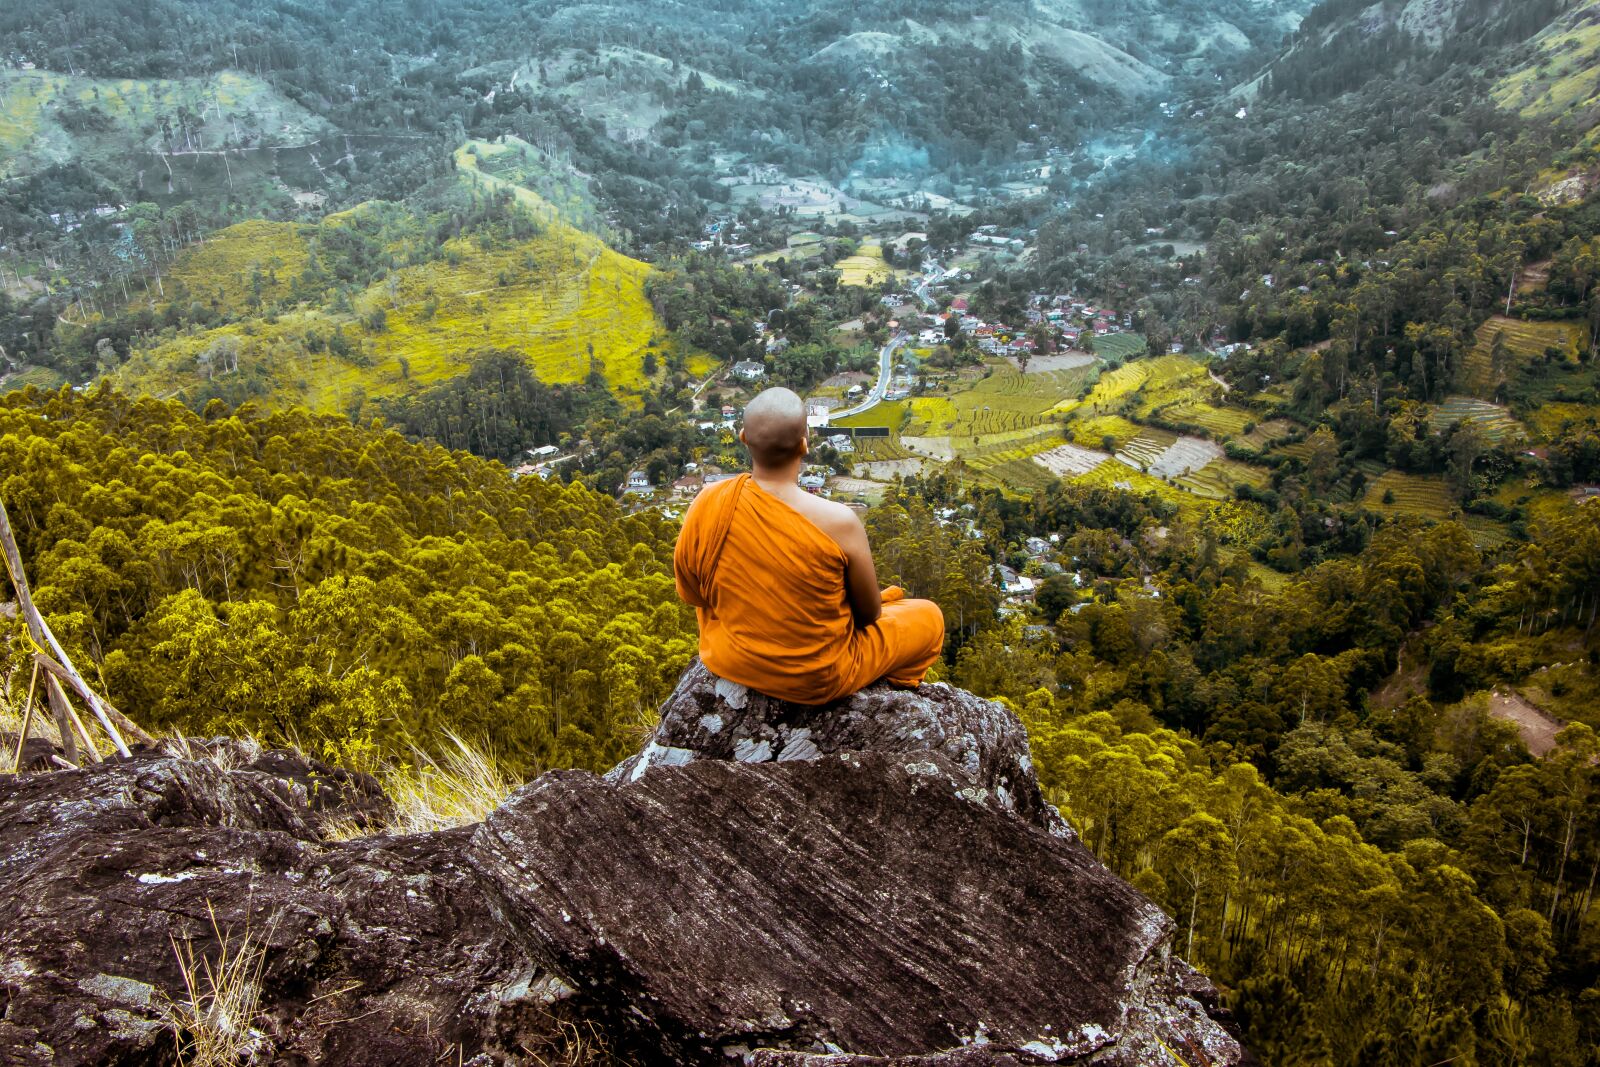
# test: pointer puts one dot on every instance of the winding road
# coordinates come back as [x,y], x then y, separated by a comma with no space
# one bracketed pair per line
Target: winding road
[885,367]
[886,357]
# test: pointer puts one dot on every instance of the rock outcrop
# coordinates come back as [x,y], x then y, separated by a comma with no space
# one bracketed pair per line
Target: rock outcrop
[876,881]
[377,951]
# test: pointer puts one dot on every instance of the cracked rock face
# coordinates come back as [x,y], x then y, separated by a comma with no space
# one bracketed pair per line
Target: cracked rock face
[865,903]
[710,718]
[871,882]
[377,951]
[875,881]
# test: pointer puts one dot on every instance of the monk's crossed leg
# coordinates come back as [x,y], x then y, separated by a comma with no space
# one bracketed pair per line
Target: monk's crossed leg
[901,646]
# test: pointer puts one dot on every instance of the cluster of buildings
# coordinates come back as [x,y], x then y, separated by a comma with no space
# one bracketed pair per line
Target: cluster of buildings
[1074,323]
[723,232]
[541,462]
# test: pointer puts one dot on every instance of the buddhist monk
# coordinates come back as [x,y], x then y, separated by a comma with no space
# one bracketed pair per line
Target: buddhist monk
[784,583]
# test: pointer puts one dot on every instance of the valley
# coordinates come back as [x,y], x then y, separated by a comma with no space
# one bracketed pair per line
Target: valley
[1227,373]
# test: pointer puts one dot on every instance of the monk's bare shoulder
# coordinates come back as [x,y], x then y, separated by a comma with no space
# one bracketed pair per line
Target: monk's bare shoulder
[834,519]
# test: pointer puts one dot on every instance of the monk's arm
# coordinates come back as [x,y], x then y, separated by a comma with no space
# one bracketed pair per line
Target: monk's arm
[860,575]
[687,582]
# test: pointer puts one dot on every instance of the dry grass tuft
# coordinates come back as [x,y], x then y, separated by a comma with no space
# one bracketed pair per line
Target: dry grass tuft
[214,1024]
[462,786]
[572,1043]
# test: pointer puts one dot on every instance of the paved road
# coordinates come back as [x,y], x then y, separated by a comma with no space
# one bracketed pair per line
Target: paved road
[886,359]
[885,367]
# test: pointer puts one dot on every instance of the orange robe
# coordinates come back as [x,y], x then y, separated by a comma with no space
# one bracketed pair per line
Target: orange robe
[769,587]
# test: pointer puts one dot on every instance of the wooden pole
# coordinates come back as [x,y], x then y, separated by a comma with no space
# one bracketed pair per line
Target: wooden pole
[44,638]
[58,711]
[118,719]
[77,723]
[27,720]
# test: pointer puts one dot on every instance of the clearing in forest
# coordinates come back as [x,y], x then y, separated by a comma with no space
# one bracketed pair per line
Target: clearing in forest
[866,269]
[49,118]
[1486,367]
[1492,420]
[1550,417]
[1537,729]
[1558,78]
[1419,496]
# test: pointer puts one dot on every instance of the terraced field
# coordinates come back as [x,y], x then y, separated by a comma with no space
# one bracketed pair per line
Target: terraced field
[1481,377]
[1005,401]
[1091,431]
[1022,474]
[1145,450]
[1224,423]
[556,297]
[1118,476]
[1217,479]
[1266,433]
[1492,420]
[1070,461]
[1165,455]
[1413,495]
[1175,382]
[1123,346]
[879,449]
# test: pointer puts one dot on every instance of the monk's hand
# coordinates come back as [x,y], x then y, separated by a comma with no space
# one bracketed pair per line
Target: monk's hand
[893,593]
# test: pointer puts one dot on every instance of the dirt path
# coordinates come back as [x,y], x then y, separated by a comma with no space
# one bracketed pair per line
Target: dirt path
[1537,728]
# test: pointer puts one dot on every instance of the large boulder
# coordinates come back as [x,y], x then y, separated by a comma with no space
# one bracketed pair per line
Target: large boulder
[708,717]
[880,877]
[872,904]
[374,951]
[879,880]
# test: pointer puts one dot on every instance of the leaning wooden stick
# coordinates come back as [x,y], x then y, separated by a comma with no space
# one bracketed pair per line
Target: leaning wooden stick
[115,717]
[77,724]
[27,720]
[45,639]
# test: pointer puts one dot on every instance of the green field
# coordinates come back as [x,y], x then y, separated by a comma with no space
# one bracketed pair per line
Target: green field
[866,268]
[1119,346]
[1413,495]
[554,298]
[1558,78]
[1482,375]
[890,413]
[1492,420]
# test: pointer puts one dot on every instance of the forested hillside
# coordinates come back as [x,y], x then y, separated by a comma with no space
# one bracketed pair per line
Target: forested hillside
[1381,880]
[297,578]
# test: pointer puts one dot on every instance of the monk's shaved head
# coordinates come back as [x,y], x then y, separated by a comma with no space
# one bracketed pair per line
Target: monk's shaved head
[774,427]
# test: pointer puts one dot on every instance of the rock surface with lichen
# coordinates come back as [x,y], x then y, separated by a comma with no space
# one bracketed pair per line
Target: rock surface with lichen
[874,881]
